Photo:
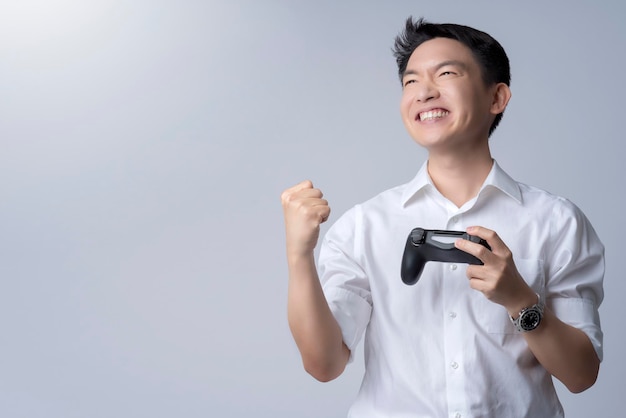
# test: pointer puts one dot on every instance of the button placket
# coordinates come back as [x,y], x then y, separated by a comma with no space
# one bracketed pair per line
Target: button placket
[454,222]
[453,341]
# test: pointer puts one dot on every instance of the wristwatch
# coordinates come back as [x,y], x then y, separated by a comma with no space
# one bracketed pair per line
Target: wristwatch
[529,318]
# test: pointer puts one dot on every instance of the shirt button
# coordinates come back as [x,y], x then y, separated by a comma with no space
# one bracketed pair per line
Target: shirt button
[453,267]
[454,365]
[452,315]
[457,415]
[454,219]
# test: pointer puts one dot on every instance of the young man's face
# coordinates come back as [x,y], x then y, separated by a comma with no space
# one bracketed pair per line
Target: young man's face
[445,102]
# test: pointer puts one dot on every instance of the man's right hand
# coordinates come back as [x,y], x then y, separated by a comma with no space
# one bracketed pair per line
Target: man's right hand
[311,321]
[304,210]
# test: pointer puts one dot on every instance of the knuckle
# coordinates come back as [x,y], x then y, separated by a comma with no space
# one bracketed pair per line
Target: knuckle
[508,255]
[287,196]
[309,212]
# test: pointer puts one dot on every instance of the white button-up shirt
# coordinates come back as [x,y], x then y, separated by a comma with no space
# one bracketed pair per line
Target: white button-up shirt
[439,348]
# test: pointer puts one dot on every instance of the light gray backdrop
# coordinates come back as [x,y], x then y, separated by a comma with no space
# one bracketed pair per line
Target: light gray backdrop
[143,149]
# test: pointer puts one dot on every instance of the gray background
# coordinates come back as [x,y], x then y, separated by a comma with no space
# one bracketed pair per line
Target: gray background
[143,149]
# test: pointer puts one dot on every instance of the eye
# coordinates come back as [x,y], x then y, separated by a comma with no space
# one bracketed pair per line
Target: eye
[445,73]
[407,82]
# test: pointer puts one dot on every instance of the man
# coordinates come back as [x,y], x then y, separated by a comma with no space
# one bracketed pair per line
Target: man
[455,344]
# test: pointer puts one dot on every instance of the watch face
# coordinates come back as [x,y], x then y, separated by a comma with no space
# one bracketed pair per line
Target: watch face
[530,319]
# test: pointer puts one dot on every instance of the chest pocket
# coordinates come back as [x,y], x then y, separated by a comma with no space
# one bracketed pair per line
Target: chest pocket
[494,318]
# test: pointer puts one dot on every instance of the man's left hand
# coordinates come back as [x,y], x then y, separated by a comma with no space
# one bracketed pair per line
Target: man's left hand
[498,278]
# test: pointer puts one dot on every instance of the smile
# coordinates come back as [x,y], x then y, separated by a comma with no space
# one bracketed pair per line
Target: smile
[432,114]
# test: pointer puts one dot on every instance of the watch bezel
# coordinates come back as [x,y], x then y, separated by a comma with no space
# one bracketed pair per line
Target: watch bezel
[529,318]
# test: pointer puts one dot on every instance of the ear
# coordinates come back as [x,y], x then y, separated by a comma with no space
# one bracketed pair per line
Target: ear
[501,97]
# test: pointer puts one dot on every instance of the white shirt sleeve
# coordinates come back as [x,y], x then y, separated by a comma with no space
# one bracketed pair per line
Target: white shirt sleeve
[344,282]
[575,272]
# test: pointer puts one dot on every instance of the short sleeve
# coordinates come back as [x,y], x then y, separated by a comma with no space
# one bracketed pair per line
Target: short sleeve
[343,279]
[576,272]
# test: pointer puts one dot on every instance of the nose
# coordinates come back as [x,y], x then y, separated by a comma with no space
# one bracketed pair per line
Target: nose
[425,91]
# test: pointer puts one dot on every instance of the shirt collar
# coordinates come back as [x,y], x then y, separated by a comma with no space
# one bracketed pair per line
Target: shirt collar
[497,178]
[419,183]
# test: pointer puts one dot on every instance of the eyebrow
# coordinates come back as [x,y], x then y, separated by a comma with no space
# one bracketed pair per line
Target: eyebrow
[454,63]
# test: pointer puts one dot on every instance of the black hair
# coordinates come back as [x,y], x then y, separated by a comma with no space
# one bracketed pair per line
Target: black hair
[488,52]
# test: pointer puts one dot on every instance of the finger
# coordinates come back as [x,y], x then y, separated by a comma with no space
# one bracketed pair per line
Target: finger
[308,194]
[477,250]
[315,211]
[482,232]
[482,286]
[294,191]
[310,205]
[324,214]
[305,184]
[481,279]
[478,277]
[475,272]
[312,202]
[295,204]
[493,239]
[476,283]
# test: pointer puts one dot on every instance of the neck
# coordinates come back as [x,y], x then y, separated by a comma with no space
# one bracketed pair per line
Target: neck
[459,177]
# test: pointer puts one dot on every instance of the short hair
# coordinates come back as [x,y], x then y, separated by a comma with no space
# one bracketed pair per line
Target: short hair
[488,52]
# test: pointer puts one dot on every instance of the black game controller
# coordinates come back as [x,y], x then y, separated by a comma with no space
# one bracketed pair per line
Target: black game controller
[423,246]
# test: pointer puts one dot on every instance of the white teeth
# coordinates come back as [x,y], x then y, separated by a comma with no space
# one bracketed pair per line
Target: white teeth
[433,114]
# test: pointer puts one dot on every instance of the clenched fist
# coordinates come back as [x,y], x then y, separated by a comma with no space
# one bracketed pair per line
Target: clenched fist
[305,210]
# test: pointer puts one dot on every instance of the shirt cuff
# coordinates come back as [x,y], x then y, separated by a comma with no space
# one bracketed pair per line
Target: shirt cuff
[581,314]
[351,312]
